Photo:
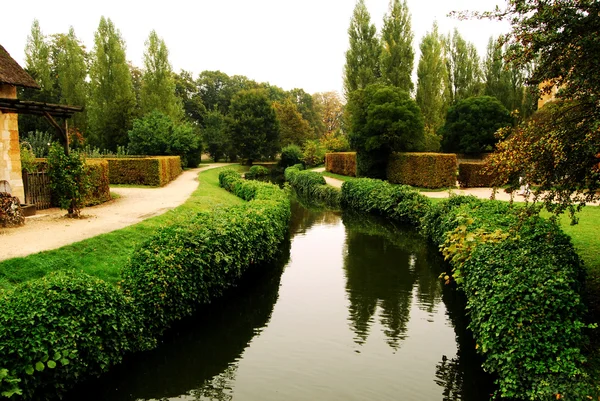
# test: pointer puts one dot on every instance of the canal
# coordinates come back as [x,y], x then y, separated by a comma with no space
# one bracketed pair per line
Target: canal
[353,311]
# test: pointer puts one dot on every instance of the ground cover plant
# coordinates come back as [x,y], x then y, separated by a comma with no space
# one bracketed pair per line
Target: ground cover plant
[78,325]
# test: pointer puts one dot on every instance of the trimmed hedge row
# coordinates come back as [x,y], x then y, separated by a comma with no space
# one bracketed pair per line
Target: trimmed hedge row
[154,171]
[343,163]
[66,326]
[472,175]
[522,278]
[397,202]
[425,170]
[257,171]
[313,186]
[99,192]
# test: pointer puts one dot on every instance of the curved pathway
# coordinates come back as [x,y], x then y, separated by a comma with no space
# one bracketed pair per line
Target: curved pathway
[50,229]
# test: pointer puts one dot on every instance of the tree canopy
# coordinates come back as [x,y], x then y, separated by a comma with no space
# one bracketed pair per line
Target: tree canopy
[397,54]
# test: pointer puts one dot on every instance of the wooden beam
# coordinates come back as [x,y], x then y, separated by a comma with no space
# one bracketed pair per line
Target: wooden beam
[63,133]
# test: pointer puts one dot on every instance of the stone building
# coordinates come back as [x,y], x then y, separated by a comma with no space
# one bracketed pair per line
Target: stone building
[11,76]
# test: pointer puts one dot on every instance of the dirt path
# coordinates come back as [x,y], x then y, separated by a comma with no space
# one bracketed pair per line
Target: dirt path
[49,229]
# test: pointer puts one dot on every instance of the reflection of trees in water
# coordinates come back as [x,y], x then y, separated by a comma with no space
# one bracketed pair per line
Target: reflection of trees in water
[305,216]
[199,354]
[457,375]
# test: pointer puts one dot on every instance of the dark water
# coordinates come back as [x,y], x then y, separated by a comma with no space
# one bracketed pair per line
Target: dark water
[354,311]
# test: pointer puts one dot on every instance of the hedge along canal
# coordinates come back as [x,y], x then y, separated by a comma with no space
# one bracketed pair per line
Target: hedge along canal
[354,311]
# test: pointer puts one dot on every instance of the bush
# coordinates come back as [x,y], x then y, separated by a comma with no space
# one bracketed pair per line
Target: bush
[335,142]
[154,171]
[312,186]
[39,141]
[471,124]
[343,163]
[63,327]
[257,171]
[190,263]
[99,190]
[157,135]
[313,154]
[425,170]
[396,202]
[28,163]
[474,175]
[290,155]
[69,180]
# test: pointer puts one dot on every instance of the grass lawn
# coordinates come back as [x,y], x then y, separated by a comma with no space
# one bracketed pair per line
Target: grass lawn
[104,255]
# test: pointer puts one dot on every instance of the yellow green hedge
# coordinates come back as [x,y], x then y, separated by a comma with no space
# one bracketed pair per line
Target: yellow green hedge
[343,163]
[155,171]
[425,170]
[100,190]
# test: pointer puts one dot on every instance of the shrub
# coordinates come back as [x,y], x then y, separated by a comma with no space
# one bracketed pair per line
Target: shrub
[69,180]
[39,141]
[343,163]
[425,170]
[474,175]
[257,171]
[99,190]
[154,171]
[312,186]
[28,163]
[471,124]
[190,263]
[290,155]
[313,154]
[63,327]
[396,202]
[335,142]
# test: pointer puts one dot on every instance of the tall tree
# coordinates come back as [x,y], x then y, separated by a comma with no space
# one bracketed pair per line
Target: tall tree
[397,54]
[158,84]
[432,83]
[71,71]
[187,92]
[309,109]
[362,58]
[464,71]
[332,110]
[294,129]
[253,125]
[112,99]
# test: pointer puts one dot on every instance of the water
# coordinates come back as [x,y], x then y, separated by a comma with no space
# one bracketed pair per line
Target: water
[354,311]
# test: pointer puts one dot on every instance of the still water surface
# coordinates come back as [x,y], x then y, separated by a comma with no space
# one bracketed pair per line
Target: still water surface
[354,311]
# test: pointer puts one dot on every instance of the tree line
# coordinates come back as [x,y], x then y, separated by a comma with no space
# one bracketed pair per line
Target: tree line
[153,110]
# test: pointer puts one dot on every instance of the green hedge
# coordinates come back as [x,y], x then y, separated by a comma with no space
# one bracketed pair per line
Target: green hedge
[523,280]
[257,171]
[99,192]
[472,175]
[425,170]
[188,264]
[397,202]
[343,163]
[154,171]
[66,326]
[312,185]
[62,327]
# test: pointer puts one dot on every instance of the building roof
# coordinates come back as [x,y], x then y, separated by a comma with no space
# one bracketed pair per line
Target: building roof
[11,72]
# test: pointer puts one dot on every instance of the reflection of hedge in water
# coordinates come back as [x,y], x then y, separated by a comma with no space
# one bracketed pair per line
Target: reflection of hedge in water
[306,215]
[198,355]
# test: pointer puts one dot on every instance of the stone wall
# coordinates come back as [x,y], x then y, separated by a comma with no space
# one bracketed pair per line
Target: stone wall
[10,152]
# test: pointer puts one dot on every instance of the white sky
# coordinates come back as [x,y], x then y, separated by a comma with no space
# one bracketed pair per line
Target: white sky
[287,43]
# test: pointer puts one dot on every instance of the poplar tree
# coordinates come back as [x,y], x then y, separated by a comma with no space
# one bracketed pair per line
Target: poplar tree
[158,83]
[112,100]
[70,69]
[464,71]
[397,54]
[432,83]
[362,58]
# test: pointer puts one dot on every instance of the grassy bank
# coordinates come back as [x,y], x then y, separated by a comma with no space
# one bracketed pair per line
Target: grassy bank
[102,256]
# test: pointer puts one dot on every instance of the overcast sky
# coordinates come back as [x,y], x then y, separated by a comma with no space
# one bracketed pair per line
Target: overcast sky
[291,44]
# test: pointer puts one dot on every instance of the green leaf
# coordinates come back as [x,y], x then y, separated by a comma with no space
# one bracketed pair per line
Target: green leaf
[29,370]
[51,364]
[39,367]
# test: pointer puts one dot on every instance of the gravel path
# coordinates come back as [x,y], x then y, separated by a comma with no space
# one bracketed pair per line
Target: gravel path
[50,229]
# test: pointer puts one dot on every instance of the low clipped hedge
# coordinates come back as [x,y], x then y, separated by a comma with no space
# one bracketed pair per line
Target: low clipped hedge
[473,175]
[154,171]
[312,186]
[257,171]
[343,163]
[99,192]
[523,280]
[425,170]
[191,263]
[66,326]
[397,202]
[60,328]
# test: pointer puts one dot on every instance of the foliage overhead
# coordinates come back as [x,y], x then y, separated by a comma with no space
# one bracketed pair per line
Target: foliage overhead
[471,125]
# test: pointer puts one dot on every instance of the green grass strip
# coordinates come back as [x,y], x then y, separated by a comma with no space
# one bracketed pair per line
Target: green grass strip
[104,255]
